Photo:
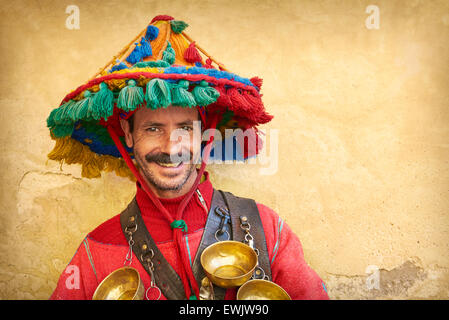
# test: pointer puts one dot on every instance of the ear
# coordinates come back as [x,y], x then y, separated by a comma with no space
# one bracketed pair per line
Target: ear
[128,135]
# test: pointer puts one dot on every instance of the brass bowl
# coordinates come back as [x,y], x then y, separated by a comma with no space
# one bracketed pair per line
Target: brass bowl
[229,264]
[121,284]
[261,290]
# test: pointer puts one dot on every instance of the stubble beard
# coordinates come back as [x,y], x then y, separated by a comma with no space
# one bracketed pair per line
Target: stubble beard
[165,184]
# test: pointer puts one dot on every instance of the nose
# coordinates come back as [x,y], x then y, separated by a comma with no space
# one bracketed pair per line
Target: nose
[173,143]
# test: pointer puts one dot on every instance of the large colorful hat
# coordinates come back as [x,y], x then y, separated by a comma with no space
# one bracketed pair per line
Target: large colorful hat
[162,66]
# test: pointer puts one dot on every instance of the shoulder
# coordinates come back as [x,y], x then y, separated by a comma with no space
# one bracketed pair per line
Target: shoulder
[109,232]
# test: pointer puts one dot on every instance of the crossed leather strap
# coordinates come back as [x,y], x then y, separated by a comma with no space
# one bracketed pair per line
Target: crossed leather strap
[166,278]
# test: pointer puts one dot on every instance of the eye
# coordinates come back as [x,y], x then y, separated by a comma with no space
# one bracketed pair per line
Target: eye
[152,129]
[187,128]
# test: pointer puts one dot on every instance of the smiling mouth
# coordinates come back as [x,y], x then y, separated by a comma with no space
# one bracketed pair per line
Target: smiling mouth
[169,165]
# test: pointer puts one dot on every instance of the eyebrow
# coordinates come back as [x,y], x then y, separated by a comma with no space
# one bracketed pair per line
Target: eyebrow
[184,123]
[153,124]
[158,124]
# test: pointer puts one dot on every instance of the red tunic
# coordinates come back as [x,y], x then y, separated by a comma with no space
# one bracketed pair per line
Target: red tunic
[104,250]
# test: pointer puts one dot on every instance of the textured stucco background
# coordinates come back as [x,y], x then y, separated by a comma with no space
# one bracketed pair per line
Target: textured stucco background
[363,174]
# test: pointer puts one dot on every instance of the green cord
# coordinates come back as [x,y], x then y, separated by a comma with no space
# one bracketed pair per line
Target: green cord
[180,224]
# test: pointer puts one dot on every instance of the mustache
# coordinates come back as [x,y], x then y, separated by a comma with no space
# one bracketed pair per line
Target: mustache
[168,158]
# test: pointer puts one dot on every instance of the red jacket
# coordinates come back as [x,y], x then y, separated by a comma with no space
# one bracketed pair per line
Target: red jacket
[104,249]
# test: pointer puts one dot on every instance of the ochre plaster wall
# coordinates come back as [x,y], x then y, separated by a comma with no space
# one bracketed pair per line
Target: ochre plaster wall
[363,173]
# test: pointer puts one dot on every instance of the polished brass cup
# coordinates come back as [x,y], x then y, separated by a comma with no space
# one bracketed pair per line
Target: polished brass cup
[261,290]
[121,284]
[229,264]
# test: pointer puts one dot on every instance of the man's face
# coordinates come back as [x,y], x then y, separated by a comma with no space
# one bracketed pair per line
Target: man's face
[165,148]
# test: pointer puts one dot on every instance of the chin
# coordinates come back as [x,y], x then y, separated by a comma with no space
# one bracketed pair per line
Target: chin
[170,180]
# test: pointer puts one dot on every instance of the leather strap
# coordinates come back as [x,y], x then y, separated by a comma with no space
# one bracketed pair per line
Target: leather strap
[212,224]
[165,276]
[239,207]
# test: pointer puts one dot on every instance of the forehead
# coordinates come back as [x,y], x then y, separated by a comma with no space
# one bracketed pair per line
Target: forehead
[167,115]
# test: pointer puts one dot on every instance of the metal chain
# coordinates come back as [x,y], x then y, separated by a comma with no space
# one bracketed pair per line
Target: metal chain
[150,266]
[147,256]
[259,273]
[129,254]
[225,220]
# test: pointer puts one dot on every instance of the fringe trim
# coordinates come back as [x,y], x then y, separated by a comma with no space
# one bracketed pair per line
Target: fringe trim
[71,151]
[158,93]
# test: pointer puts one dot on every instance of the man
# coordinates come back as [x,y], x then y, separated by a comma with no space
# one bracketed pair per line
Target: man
[151,101]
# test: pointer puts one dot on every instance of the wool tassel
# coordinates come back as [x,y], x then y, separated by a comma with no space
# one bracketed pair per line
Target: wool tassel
[208,64]
[90,167]
[60,115]
[103,102]
[191,54]
[254,104]
[158,94]
[238,101]
[223,99]
[119,66]
[162,17]
[204,94]
[135,55]
[152,64]
[145,48]
[256,81]
[178,26]
[152,33]
[264,118]
[58,151]
[51,118]
[181,96]
[258,114]
[82,109]
[130,97]
[60,131]
[169,54]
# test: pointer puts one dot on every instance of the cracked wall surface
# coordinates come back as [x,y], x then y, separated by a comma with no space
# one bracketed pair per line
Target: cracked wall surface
[363,172]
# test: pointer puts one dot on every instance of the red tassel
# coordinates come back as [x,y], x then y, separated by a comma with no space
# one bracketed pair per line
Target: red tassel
[239,103]
[257,113]
[162,17]
[254,102]
[208,64]
[191,54]
[264,118]
[257,82]
[223,99]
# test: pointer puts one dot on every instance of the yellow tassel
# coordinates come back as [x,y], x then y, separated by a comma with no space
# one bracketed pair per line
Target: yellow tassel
[72,151]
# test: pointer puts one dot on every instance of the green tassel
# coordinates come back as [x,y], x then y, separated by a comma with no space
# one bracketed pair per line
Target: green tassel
[181,96]
[178,26]
[193,297]
[51,118]
[169,54]
[61,131]
[158,94]
[152,64]
[103,103]
[62,116]
[179,224]
[130,97]
[82,109]
[204,94]
[58,124]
